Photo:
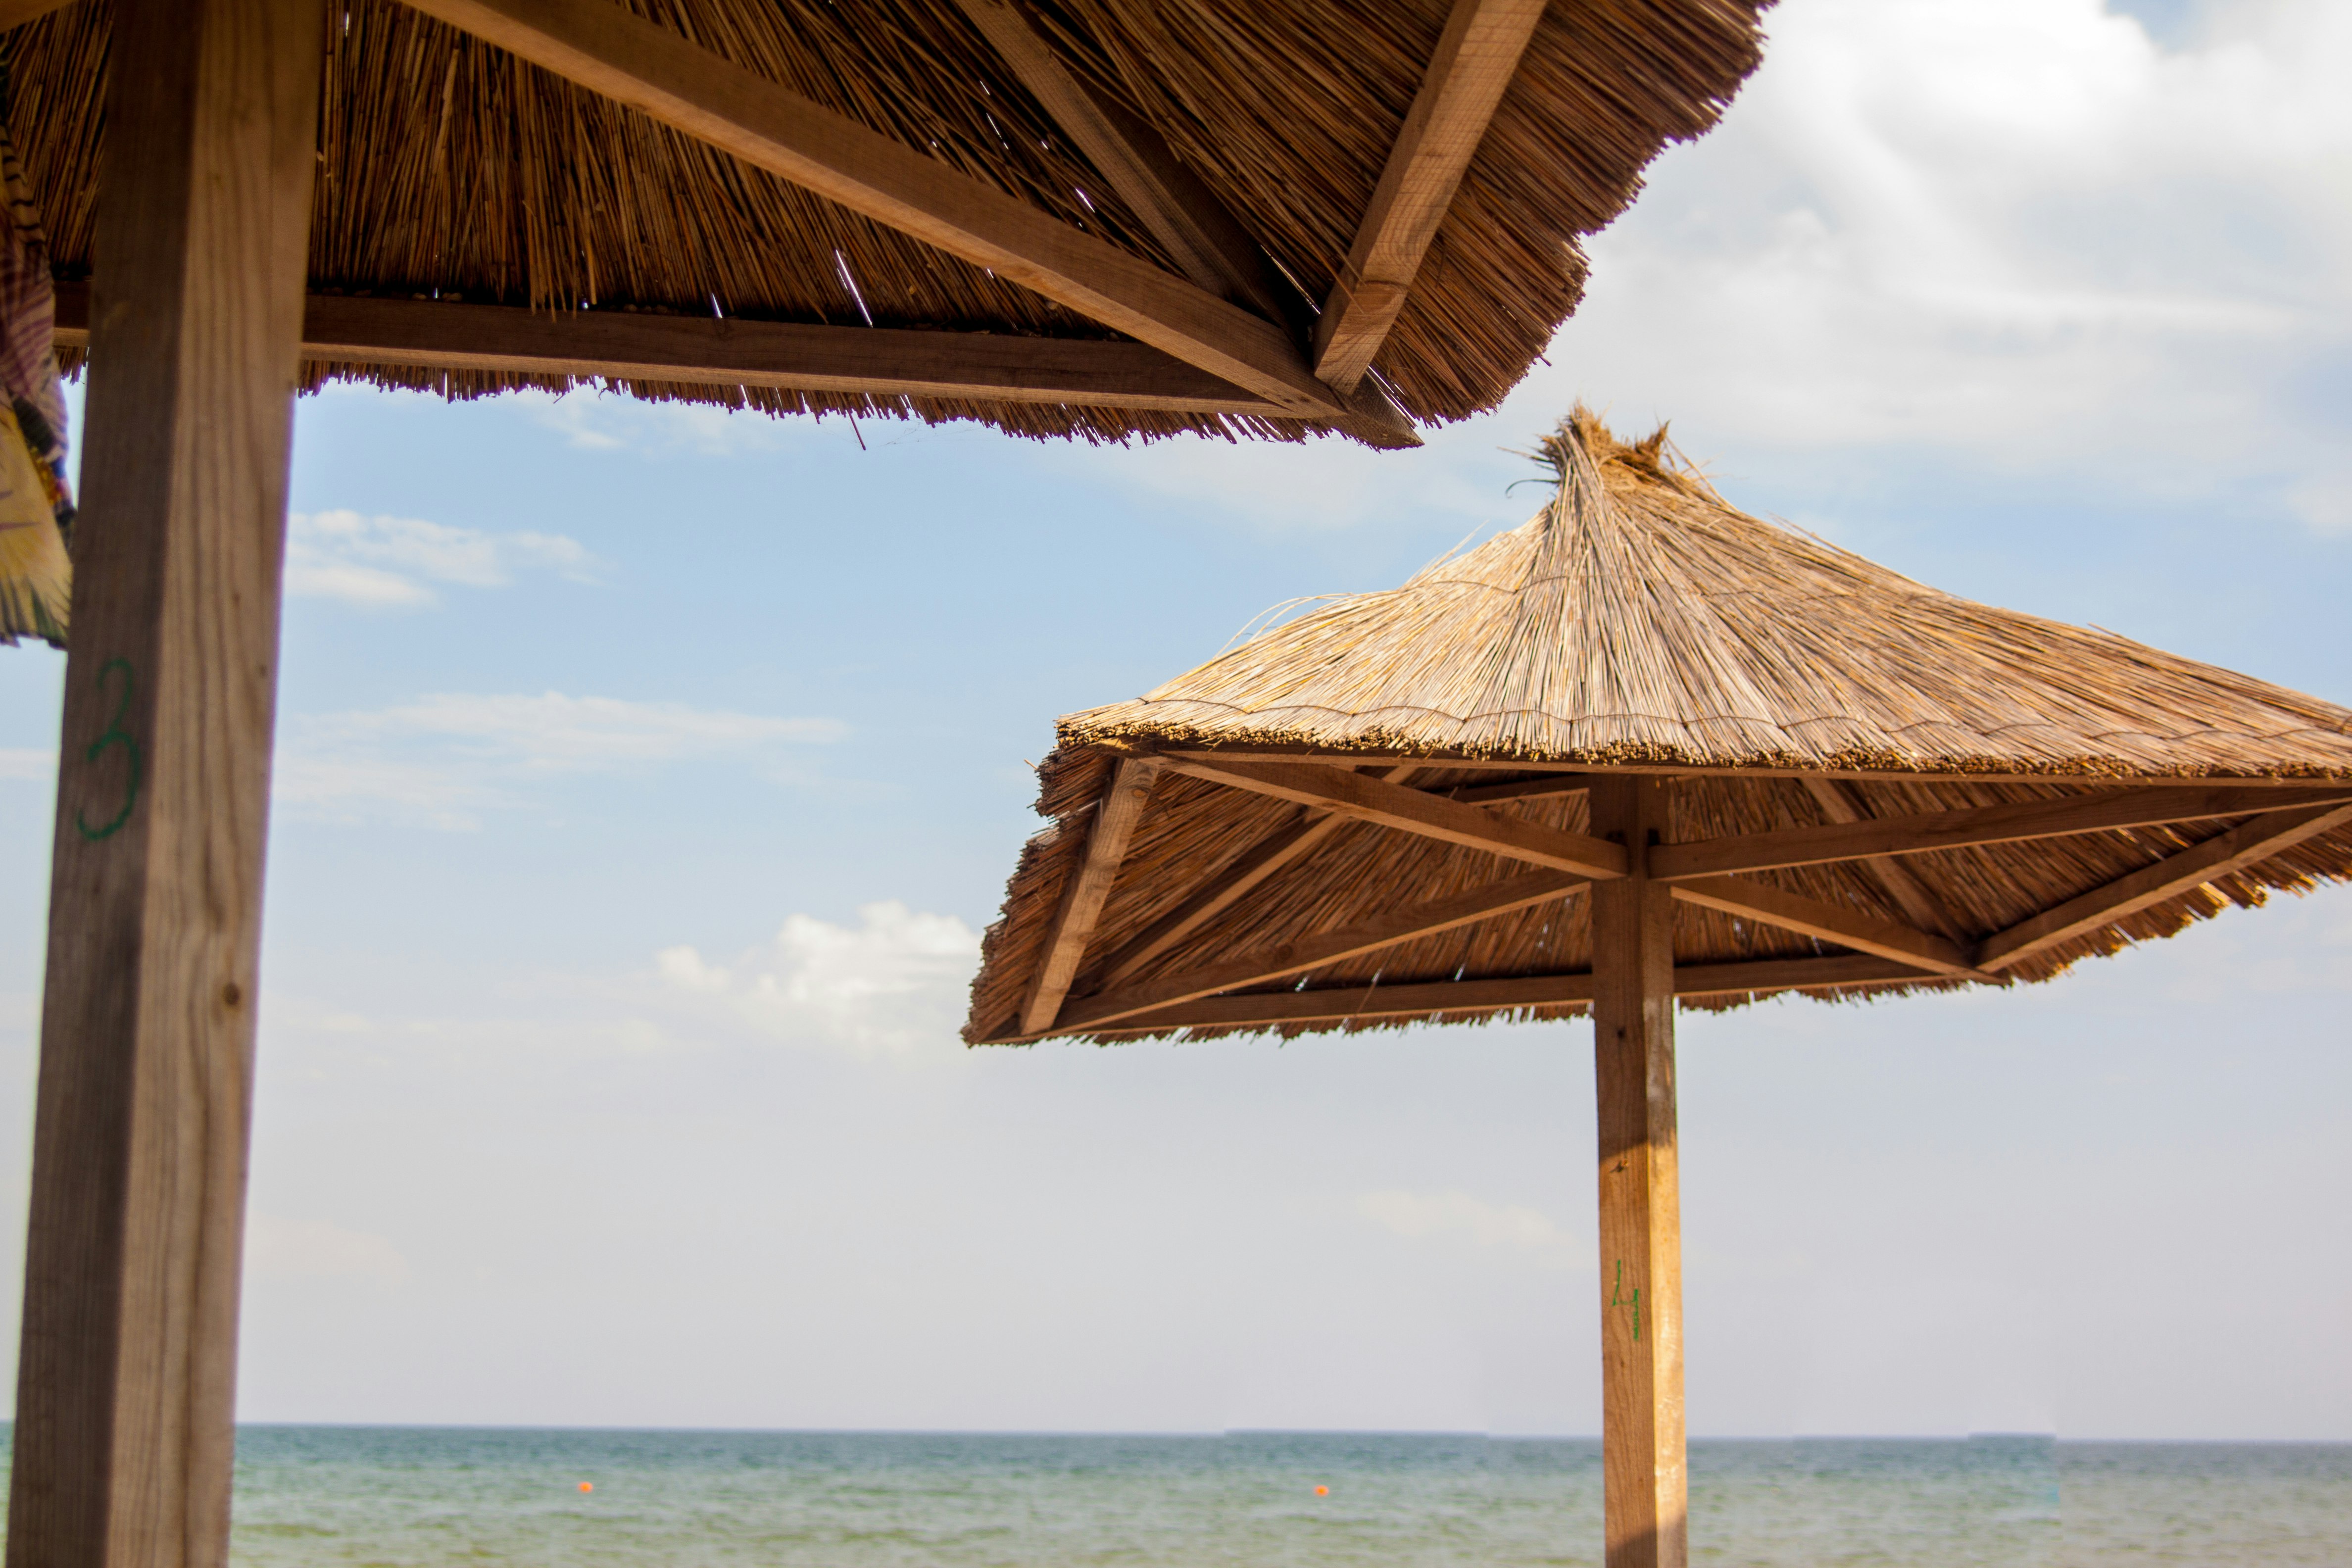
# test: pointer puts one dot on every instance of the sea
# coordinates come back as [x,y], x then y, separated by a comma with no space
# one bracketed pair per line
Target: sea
[414,1497]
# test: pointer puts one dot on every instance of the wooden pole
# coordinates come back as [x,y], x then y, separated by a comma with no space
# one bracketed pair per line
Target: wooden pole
[124,1436]
[1640,1208]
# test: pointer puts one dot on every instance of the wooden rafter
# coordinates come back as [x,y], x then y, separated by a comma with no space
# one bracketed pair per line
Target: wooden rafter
[1477,57]
[1207,242]
[1210,245]
[1398,926]
[2239,847]
[1417,812]
[1115,818]
[1829,923]
[1928,831]
[1525,789]
[1454,998]
[636,346]
[610,50]
[1841,801]
[1249,869]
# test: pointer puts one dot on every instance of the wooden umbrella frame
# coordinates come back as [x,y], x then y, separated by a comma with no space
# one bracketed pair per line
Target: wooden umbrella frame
[1635,875]
[197,324]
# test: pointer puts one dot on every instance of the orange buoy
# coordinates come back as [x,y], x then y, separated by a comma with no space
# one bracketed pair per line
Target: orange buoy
[587,1486]
[1322,1491]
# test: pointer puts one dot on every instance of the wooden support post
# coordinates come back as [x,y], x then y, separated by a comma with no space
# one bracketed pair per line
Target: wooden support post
[1640,1208]
[124,1438]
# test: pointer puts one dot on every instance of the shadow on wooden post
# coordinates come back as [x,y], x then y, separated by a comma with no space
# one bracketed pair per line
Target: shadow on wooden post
[126,1386]
[1641,1206]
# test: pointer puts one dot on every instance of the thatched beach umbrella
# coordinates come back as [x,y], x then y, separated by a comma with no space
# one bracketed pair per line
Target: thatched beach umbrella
[1644,751]
[1093,218]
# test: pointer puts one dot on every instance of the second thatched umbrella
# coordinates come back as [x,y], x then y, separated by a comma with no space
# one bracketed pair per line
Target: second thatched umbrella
[1644,751]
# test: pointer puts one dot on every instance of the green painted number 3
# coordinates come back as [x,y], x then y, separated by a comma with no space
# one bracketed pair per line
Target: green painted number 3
[113,736]
[1617,1299]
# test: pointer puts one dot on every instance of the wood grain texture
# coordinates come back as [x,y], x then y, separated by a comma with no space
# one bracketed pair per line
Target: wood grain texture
[610,50]
[2258,840]
[1829,923]
[1841,801]
[1644,1475]
[1462,998]
[1928,831]
[732,351]
[1403,925]
[16,13]
[1116,815]
[1418,812]
[1248,870]
[124,1438]
[1477,57]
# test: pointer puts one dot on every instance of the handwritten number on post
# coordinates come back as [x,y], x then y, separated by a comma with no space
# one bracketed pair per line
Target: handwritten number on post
[113,736]
[1617,1299]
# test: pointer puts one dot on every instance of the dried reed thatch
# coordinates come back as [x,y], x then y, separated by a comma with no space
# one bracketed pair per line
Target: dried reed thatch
[451,170]
[1639,622]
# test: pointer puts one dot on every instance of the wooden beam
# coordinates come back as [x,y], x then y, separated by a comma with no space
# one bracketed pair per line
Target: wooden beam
[608,49]
[126,1384]
[1829,923]
[643,346]
[1478,55]
[1115,819]
[1206,241]
[1929,831]
[1644,1475]
[1391,930]
[2240,846]
[1418,812]
[1457,998]
[1842,801]
[1525,789]
[1252,867]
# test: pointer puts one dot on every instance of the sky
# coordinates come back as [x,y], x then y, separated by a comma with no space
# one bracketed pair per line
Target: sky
[646,774]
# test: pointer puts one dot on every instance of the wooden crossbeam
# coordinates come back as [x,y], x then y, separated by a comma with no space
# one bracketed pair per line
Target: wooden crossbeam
[1454,998]
[1829,923]
[1841,801]
[1115,819]
[1928,831]
[1250,868]
[1477,57]
[1418,812]
[642,346]
[1525,789]
[610,50]
[1426,919]
[2242,846]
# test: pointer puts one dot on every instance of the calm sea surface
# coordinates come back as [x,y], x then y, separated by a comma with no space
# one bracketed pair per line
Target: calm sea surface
[437,1497]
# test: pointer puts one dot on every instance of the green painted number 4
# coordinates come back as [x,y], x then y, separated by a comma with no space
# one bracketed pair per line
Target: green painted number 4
[1617,1298]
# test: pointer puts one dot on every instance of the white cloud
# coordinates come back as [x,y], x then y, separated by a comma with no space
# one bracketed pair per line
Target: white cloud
[1456,1216]
[609,422]
[2017,232]
[446,757]
[396,561]
[894,981]
[28,764]
[313,1249]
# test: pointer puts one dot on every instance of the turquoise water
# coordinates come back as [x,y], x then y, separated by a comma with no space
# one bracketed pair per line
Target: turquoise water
[437,1497]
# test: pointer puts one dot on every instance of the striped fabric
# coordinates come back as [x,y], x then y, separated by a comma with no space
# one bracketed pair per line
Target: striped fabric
[37,510]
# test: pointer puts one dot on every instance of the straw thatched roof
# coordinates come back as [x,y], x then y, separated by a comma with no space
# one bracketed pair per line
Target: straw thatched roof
[1996,767]
[455,173]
